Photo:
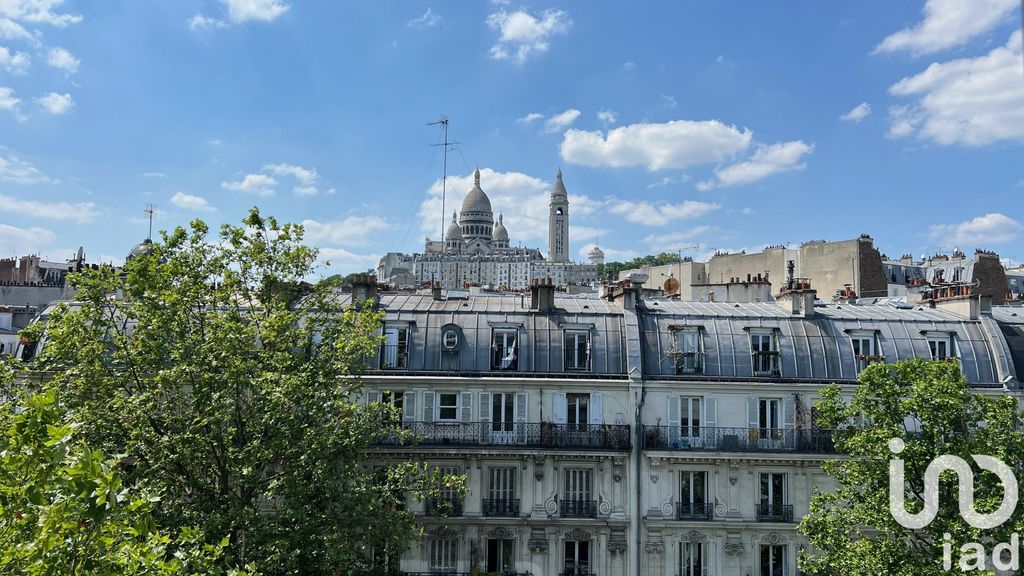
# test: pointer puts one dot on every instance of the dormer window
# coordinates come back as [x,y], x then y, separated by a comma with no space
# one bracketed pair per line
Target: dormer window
[394,352]
[865,349]
[689,358]
[577,350]
[764,351]
[450,340]
[940,344]
[505,349]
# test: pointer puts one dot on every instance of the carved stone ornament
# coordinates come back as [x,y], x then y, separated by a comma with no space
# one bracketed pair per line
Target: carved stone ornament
[734,548]
[537,545]
[551,505]
[605,507]
[538,468]
[668,508]
[617,469]
[692,536]
[616,547]
[502,533]
[774,538]
[654,547]
[721,509]
[577,534]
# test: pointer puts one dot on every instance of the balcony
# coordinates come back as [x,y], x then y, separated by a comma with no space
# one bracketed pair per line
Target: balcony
[514,435]
[774,512]
[766,363]
[695,511]
[689,363]
[394,357]
[578,508]
[501,507]
[694,438]
[444,506]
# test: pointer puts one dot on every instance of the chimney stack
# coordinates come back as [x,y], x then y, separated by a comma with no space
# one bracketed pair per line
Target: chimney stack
[542,295]
[364,288]
[435,290]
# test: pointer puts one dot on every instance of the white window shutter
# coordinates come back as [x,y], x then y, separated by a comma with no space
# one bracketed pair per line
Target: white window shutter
[522,403]
[485,407]
[429,415]
[673,412]
[711,412]
[561,408]
[596,408]
[752,419]
[409,406]
[466,406]
[372,396]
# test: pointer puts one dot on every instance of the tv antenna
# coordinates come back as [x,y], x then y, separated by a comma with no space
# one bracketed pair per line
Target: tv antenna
[149,211]
[443,123]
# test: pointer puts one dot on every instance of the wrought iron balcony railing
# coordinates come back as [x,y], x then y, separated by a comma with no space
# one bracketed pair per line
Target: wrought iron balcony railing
[689,362]
[507,507]
[774,512]
[766,363]
[695,511]
[513,435]
[444,506]
[814,440]
[578,508]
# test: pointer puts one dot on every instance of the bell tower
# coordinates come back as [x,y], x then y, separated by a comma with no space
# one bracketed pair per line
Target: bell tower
[558,222]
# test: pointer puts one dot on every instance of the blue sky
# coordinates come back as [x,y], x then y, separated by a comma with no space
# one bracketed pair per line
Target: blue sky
[731,125]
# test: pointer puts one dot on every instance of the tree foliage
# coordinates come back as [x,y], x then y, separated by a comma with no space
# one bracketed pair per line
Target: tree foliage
[612,269]
[929,406]
[64,508]
[230,383]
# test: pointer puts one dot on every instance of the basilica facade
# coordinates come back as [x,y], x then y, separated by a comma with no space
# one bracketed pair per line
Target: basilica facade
[476,251]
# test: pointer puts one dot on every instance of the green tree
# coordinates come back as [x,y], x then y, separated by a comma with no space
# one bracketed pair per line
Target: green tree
[230,383]
[64,508]
[929,406]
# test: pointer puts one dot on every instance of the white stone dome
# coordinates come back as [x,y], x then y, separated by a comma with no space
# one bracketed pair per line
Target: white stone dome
[476,201]
[500,233]
[454,230]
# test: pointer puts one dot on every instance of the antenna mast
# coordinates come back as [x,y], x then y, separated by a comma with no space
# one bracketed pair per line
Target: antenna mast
[443,123]
[149,211]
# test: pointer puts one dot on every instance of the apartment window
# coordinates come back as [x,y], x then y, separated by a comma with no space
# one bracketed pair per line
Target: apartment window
[577,350]
[578,494]
[693,496]
[773,560]
[577,409]
[769,422]
[689,359]
[690,416]
[577,558]
[444,555]
[865,349]
[505,350]
[774,498]
[691,559]
[450,340]
[500,555]
[501,492]
[448,406]
[940,344]
[395,349]
[764,349]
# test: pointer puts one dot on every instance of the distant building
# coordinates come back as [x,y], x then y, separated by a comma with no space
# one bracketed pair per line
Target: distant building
[33,282]
[476,251]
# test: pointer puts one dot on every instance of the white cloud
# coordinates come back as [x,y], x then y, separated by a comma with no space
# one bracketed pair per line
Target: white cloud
[530,118]
[858,113]
[63,60]
[37,11]
[676,240]
[55,103]
[17,241]
[427,20]
[674,144]
[11,30]
[561,121]
[82,212]
[306,190]
[669,180]
[767,160]
[307,177]
[970,101]
[992,228]
[201,22]
[154,175]
[607,117]
[669,101]
[660,214]
[259,184]
[629,65]
[345,261]
[8,101]
[255,10]
[190,202]
[14,169]
[948,24]
[349,231]
[523,35]
[16,63]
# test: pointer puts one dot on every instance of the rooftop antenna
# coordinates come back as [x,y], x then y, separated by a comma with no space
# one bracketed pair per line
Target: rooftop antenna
[443,123]
[149,211]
